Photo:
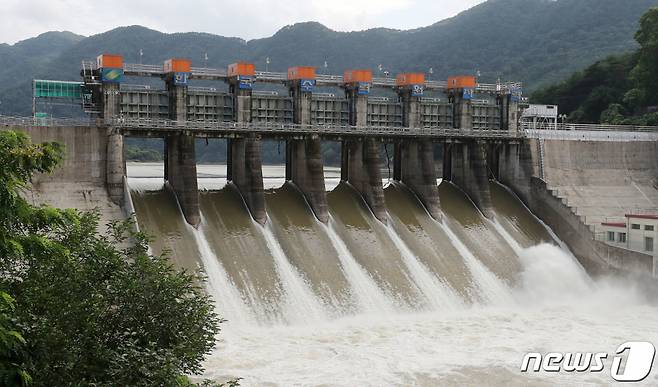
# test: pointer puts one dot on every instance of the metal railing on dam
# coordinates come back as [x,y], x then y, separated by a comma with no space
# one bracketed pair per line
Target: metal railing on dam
[150,70]
[582,132]
[592,132]
[209,127]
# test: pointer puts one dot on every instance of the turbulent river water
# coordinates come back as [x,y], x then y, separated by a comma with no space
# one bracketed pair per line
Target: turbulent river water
[415,302]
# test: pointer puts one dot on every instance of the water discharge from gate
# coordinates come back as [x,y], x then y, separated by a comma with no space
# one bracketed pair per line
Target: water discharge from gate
[414,302]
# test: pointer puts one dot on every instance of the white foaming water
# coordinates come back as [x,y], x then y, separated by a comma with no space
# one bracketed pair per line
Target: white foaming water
[490,287]
[507,236]
[439,296]
[221,288]
[370,298]
[473,346]
[550,276]
[301,305]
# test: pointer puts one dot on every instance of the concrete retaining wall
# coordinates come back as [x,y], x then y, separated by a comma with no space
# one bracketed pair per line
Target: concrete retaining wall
[80,181]
[520,166]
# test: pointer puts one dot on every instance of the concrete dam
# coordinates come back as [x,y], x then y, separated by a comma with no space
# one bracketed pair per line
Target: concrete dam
[483,236]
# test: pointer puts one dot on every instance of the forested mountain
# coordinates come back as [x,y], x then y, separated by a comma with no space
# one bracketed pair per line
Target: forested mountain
[535,41]
[620,89]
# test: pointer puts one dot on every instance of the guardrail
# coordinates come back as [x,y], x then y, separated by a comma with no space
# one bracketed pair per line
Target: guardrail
[591,127]
[205,71]
[337,80]
[134,87]
[56,122]
[228,126]
[575,131]
[143,68]
[591,135]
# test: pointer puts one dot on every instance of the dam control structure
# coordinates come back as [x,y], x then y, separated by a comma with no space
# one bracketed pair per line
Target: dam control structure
[477,125]
[303,118]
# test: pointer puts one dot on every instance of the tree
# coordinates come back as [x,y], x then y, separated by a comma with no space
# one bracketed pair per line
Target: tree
[12,347]
[613,115]
[644,74]
[93,309]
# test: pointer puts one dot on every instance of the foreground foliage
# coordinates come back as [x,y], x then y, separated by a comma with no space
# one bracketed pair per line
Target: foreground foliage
[89,309]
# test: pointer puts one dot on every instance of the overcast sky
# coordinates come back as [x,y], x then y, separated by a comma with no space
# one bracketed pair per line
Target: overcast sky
[248,19]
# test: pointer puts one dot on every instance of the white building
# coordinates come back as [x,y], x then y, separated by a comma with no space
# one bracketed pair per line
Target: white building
[540,117]
[638,233]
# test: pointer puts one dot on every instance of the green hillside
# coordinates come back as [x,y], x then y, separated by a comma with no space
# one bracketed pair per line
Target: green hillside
[535,41]
[620,89]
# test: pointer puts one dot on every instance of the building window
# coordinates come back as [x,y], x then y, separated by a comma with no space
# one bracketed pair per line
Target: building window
[622,237]
[648,244]
[635,226]
[611,236]
[648,228]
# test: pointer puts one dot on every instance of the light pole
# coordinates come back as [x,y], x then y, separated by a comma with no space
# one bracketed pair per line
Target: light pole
[205,59]
[141,54]
[267,64]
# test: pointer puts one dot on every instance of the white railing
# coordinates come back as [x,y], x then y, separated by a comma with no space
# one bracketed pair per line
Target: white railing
[202,89]
[579,132]
[134,87]
[590,135]
[143,68]
[591,127]
[208,72]
[230,126]
[331,79]
[271,76]
[9,121]
[653,211]
[264,93]
[383,81]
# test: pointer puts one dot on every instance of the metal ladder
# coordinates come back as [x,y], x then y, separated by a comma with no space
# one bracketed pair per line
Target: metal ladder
[542,153]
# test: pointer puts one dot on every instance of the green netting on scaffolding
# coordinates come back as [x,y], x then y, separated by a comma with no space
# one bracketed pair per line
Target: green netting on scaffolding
[57,89]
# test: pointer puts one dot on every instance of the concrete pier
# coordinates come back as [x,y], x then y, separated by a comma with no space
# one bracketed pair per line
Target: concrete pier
[304,166]
[182,176]
[177,101]
[414,166]
[361,168]
[244,164]
[109,97]
[414,159]
[116,167]
[180,152]
[509,112]
[361,160]
[462,110]
[245,170]
[469,171]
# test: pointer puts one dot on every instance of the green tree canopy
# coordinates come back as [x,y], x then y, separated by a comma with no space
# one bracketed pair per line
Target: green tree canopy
[644,74]
[618,89]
